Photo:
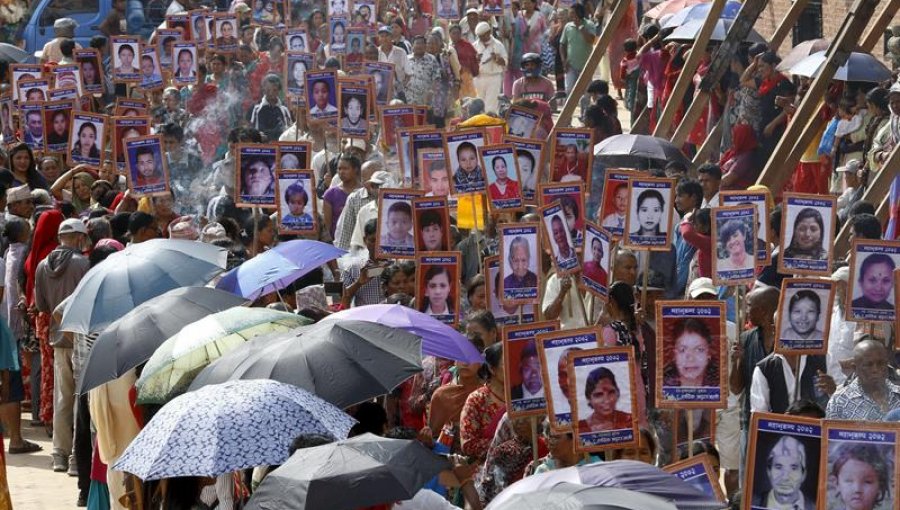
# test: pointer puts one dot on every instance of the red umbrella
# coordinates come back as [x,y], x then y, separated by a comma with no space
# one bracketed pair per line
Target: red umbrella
[670,7]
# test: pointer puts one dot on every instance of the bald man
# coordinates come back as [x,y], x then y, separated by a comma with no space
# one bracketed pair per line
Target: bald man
[625,267]
[871,395]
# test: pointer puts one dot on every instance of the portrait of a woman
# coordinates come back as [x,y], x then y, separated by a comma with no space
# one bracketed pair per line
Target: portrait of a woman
[649,212]
[503,187]
[735,248]
[85,146]
[875,282]
[691,361]
[806,236]
[602,393]
[804,310]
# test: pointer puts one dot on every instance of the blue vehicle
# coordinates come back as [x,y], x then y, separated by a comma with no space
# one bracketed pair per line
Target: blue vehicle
[141,19]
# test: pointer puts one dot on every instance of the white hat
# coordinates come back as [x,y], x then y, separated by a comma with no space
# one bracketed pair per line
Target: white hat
[72,226]
[482,28]
[17,194]
[380,178]
[701,286]
[472,10]
[852,166]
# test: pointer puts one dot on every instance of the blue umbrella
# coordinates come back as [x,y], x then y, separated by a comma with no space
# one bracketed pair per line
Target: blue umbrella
[689,31]
[228,427]
[859,67]
[438,339]
[277,268]
[699,12]
[136,274]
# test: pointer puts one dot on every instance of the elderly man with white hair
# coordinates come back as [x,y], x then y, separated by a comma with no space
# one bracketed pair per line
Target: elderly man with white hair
[786,471]
[492,59]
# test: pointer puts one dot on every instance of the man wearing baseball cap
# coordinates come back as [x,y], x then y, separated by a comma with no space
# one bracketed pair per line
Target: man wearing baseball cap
[56,277]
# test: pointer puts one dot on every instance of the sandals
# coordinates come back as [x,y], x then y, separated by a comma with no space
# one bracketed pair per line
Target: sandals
[28,447]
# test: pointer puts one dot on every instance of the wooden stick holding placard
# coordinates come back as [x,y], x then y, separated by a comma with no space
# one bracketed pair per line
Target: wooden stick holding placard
[534,431]
[646,280]
[255,231]
[580,298]
[690,431]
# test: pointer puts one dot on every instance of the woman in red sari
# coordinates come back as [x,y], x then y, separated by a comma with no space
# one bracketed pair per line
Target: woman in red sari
[468,62]
[484,407]
[740,162]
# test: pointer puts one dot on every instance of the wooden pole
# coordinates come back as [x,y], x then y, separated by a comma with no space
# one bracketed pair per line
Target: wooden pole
[534,434]
[690,431]
[584,78]
[876,192]
[779,167]
[646,280]
[686,76]
[876,32]
[787,23]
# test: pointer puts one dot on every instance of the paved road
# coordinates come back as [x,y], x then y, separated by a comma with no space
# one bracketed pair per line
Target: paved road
[32,483]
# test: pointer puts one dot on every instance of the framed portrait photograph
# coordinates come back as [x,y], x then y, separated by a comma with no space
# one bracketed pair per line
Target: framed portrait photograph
[91,69]
[433,180]
[198,26]
[427,139]
[226,33]
[462,156]
[530,156]
[807,234]
[557,236]
[698,472]
[126,128]
[296,65]
[522,122]
[782,462]
[87,138]
[649,218]
[338,8]
[522,366]
[383,78]
[571,197]
[293,155]
[321,91]
[124,52]
[32,119]
[185,67]
[165,41]
[492,7]
[7,125]
[501,166]
[182,21]
[364,13]
[405,155]
[553,349]
[764,236]
[859,465]
[356,45]
[355,110]
[734,235]
[871,292]
[595,258]
[691,356]
[57,122]
[151,72]
[431,219]
[448,9]
[296,193]
[395,224]
[69,93]
[572,151]
[519,263]
[437,288]
[67,76]
[34,91]
[393,119]
[504,313]
[604,411]
[296,40]
[255,175]
[338,26]
[130,107]
[268,12]
[804,315]
[21,72]
[148,170]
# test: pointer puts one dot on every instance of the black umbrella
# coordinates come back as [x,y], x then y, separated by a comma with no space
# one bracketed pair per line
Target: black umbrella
[344,362]
[362,471]
[637,151]
[131,340]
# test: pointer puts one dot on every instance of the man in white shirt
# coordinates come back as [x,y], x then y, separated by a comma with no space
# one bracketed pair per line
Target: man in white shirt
[710,177]
[390,54]
[492,57]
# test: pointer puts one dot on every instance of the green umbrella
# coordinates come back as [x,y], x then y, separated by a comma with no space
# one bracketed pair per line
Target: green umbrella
[179,359]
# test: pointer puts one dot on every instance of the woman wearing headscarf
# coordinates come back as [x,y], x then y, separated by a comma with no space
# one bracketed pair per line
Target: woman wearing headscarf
[468,62]
[79,183]
[775,92]
[43,242]
[739,163]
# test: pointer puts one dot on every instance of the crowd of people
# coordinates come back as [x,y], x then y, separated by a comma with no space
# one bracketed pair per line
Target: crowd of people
[213,120]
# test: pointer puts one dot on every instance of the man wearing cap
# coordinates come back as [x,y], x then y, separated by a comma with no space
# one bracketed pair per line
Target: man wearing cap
[373,178]
[468,23]
[56,277]
[850,180]
[63,28]
[19,203]
[391,54]
[888,136]
[492,58]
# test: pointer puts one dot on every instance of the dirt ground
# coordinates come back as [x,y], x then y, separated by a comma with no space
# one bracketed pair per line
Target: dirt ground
[32,483]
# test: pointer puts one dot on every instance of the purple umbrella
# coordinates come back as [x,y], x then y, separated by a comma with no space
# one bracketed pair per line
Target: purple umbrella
[277,268]
[438,339]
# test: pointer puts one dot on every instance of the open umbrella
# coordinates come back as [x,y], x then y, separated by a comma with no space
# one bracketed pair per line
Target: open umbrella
[801,51]
[699,12]
[689,31]
[12,54]
[634,151]
[670,7]
[136,274]
[229,427]
[438,339]
[344,362]
[131,340]
[363,471]
[277,268]
[624,474]
[570,496]
[860,66]
[182,356]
